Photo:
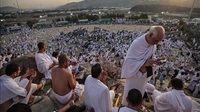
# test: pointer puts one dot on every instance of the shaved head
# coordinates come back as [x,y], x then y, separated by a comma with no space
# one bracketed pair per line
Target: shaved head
[155,34]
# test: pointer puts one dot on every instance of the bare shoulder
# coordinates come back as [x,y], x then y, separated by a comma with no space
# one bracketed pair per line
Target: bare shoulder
[55,69]
[68,73]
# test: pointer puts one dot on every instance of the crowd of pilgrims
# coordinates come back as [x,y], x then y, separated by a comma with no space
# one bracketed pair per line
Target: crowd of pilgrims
[107,48]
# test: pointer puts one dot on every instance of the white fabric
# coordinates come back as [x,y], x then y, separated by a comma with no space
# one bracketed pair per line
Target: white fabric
[181,77]
[63,99]
[192,85]
[196,91]
[123,109]
[112,96]
[195,106]
[96,95]
[79,89]
[10,89]
[23,83]
[173,101]
[150,88]
[196,78]
[54,59]
[137,55]
[43,62]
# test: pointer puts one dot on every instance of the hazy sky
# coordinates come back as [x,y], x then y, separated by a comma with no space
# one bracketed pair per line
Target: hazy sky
[42,4]
[29,4]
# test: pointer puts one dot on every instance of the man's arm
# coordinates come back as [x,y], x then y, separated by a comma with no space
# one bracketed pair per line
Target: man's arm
[33,75]
[149,62]
[72,81]
[42,64]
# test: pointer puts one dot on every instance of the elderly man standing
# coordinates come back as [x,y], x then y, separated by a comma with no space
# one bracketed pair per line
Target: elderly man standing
[43,61]
[138,63]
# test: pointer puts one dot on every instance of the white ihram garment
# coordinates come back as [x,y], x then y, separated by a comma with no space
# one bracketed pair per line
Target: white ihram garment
[43,62]
[174,101]
[97,95]
[12,90]
[123,109]
[137,55]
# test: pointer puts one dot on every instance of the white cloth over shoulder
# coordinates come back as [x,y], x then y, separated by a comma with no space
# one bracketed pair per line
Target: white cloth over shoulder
[173,101]
[123,109]
[10,89]
[97,95]
[137,55]
[43,62]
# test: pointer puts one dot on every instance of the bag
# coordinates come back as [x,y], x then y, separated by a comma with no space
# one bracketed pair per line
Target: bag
[149,71]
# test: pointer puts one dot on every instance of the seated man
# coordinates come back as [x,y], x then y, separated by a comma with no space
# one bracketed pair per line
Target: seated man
[13,92]
[64,82]
[134,100]
[174,100]
[43,61]
[97,95]
[196,92]
[194,82]
[55,57]
[75,66]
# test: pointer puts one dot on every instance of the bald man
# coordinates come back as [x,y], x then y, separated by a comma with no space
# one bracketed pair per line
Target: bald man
[138,63]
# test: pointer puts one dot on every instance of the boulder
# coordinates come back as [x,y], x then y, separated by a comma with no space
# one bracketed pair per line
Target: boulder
[25,62]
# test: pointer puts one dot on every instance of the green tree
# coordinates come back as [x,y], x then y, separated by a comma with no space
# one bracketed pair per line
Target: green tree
[58,19]
[30,23]
[143,16]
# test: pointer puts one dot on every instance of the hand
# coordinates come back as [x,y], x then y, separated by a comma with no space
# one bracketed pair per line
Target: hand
[150,62]
[33,75]
[160,61]
[54,63]
[29,72]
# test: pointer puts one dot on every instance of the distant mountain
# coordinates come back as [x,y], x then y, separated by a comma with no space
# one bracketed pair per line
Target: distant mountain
[8,9]
[126,3]
[162,8]
[98,4]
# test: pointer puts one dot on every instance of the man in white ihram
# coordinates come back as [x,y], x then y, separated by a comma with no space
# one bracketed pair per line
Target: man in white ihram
[138,58]
[97,96]
[174,100]
[43,61]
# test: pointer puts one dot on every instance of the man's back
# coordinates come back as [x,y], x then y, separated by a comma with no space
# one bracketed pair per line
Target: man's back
[97,95]
[61,80]
[173,101]
[43,62]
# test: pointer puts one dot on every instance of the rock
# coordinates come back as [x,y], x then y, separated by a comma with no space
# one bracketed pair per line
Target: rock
[25,62]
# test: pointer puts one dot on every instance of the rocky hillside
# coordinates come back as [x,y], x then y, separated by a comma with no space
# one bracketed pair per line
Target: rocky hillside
[125,3]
